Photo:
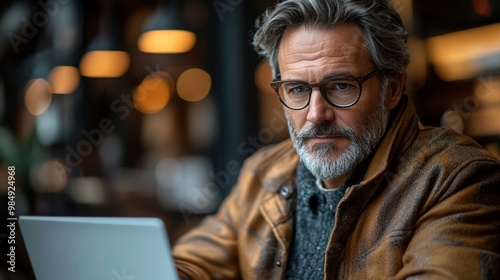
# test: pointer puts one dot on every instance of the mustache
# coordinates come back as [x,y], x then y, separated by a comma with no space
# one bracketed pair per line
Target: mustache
[325,129]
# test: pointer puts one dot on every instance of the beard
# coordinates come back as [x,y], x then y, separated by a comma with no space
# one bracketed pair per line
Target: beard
[321,160]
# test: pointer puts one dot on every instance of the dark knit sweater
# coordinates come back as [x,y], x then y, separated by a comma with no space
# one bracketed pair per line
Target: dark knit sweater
[314,219]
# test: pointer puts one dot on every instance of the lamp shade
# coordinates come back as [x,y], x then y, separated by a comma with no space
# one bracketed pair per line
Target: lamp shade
[103,59]
[165,32]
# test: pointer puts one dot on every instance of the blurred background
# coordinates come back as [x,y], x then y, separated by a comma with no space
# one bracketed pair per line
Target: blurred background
[148,108]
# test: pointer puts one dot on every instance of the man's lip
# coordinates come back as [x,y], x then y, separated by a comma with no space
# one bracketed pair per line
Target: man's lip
[323,138]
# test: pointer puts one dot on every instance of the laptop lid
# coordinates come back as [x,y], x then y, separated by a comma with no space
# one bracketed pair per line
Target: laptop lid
[82,248]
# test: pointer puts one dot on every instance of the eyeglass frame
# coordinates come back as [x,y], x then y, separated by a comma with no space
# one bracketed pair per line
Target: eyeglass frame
[360,80]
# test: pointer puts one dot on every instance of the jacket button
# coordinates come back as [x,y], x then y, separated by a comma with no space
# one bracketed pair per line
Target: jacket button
[278,263]
[286,192]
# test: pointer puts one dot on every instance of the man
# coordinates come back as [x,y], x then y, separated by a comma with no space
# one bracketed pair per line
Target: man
[362,190]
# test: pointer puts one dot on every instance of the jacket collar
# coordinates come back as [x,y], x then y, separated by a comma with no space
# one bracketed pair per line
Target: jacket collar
[279,167]
[398,137]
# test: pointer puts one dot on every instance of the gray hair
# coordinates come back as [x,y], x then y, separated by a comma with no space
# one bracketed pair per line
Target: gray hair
[385,36]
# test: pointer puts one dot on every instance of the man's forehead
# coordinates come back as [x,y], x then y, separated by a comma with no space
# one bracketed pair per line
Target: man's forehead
[345,32]
[307,47]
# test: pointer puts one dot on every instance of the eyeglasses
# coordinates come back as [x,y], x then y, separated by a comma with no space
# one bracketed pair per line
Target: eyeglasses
[339,91]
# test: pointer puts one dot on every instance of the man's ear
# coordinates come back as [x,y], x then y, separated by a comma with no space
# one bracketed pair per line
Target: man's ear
[395,90]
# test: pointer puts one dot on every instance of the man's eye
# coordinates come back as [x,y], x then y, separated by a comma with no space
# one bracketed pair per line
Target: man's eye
[295,89]
[298,89]
[342,86]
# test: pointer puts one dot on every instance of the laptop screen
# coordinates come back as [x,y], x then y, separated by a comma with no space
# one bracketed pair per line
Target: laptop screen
[82,248]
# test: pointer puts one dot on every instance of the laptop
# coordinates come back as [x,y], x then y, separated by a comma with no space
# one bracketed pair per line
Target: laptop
[83,248]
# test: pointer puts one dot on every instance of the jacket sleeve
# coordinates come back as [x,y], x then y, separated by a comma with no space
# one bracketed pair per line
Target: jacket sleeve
[243,239]
[212,250]
[458,234]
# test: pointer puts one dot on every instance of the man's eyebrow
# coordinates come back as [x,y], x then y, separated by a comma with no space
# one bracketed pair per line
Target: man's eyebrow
[342,74]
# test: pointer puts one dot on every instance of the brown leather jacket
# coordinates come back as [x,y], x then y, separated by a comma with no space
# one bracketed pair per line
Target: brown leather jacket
[427,208]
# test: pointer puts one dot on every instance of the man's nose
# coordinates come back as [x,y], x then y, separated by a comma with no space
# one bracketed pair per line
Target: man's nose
[319,110]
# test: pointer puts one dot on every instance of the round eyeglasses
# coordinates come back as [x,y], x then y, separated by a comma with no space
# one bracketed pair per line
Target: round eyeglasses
[339,91]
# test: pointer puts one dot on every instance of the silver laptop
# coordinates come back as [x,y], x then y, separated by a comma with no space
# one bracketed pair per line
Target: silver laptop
[82,248]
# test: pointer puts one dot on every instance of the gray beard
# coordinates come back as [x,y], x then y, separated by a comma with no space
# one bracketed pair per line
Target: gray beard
[319,159]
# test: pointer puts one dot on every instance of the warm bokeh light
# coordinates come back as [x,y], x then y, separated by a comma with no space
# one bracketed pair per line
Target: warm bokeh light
[104,64]
[38,96]
[153,94]
[51,177]
[64,79]
[263,77]
[194,84]
[458,55]
[166,41]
